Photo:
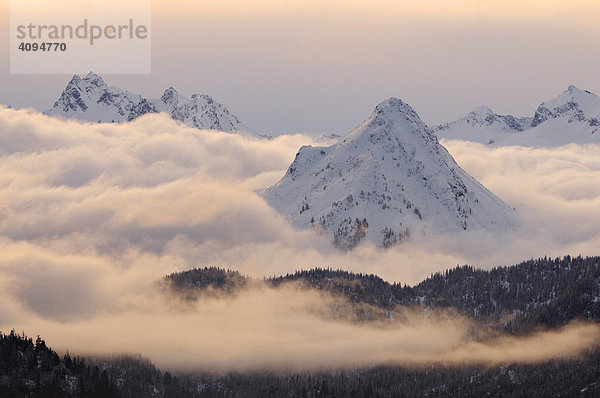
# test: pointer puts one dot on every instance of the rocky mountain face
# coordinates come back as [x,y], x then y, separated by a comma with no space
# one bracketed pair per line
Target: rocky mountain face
[573,105]
[386,180]
[572,117]
[89,98]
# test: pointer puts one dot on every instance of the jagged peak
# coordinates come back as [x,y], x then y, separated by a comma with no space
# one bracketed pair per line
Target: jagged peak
[90,98]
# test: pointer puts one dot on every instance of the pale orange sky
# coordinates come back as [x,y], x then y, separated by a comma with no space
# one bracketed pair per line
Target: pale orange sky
[567,12]
[320,66]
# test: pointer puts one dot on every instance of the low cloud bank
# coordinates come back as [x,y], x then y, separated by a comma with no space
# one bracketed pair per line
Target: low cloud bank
[285,329]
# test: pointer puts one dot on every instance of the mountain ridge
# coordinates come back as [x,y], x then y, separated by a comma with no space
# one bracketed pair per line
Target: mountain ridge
[89,98]
[571,117]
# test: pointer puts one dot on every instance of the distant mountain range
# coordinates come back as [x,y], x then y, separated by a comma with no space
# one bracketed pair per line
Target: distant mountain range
[572,117]
[386,180]
[89,98]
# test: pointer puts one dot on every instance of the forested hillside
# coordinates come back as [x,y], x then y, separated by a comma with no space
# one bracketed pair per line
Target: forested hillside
[31,369]
[537,293]
[542,292]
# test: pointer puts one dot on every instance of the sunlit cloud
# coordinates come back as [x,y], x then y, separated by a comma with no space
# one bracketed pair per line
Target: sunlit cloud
[91,215]
[286,329]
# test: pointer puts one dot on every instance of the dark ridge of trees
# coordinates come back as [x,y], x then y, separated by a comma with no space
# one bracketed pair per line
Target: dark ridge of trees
[136,377]
[552,378]
[208,277]
[364,288]
[31,369]
[543,292]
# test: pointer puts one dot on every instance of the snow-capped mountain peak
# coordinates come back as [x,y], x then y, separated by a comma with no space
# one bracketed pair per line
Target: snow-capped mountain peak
[571,117]
[395,111]
[391,117]
[393,107]
[89,98]
[200,111]
[387,179]
[483,125]
[574,104]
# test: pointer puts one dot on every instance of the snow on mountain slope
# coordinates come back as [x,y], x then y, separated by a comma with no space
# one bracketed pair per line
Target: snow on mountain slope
[573,104]
[386,180]
[483,125]
[89,98]
[201,111]
[572,117]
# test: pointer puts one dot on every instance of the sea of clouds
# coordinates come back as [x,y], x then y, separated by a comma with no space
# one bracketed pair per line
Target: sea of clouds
[91,215]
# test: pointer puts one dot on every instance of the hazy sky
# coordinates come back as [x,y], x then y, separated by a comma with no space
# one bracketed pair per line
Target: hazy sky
[321,66]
